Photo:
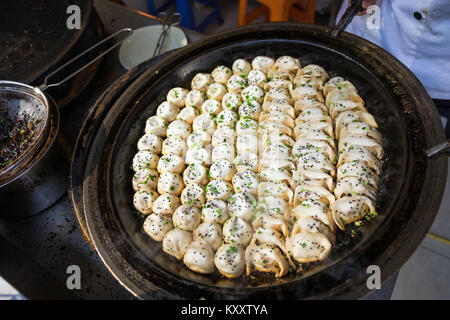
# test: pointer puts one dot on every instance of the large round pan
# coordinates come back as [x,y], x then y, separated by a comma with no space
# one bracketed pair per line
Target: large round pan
[410,194]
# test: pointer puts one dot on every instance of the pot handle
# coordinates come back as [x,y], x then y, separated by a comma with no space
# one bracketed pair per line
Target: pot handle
[352,10]
[45,85]
[439,149]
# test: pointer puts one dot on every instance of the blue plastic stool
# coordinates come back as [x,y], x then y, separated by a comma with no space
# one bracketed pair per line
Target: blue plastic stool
[153,11]
[185,7]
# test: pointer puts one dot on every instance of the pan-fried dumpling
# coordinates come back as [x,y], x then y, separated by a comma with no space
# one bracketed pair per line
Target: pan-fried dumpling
[145,160]
[231,101]
[211,107]
[205,123]
[316,161]
[345,105]
[250,109]
[171,163]
[252,92]
[359,170]
[188,114]
[230,260]
[287,63]
[246,143]
[157,225]
[150,142]
[303,128]
[179,128]
[266,258]
[195,173]
[308,224]
[222,169]
[241,67]
[278,94]
[216,91]
[221,74]
[309,145]
[218,189]
[156,125]
[166,203]
[301,91]
[215,211]
[281,190]
[242,205]
[143,201]
[201,81]
[210,232]
[246,181]
[174,145]
[199,257]
[307,81]
[350,209]
[269,127]
[176,242]
[223,135]
[237,231]
[262,63]
[279,106]
[246,161]
[198,139]
[145,179]
[278,83]
[246,126]
[177,96]
[170,182]
[316,178]
[256,77]
[308,247]
[358,153]
[276,151]
[223,151]
[226,118]
[278,117]
[360,129]
[346,117]
[336,97]
[269,222]
[236,84]
[349,186]
[275,207]
[337,83]
[193,194]
[312,114]
[308,102]
[270,236]
[316,209]
[198,155]
[168,111]
[304,192]
[195,98]
[314,71]
[186,217]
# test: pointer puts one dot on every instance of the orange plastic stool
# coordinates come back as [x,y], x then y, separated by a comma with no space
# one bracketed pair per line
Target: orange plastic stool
[278,10]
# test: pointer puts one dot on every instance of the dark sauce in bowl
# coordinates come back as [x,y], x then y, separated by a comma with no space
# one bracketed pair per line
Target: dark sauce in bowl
[16,135]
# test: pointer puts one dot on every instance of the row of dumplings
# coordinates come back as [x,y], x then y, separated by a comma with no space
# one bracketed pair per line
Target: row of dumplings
[360,153]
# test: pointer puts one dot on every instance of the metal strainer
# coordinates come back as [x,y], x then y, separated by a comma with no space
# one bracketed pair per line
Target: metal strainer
[19,101]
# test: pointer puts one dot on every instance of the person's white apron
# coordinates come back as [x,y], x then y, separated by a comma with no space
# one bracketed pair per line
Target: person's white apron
[418,34]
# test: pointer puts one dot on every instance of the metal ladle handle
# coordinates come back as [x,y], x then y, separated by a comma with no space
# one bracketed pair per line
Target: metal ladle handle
[439,149]
[347,17]
[45,85]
